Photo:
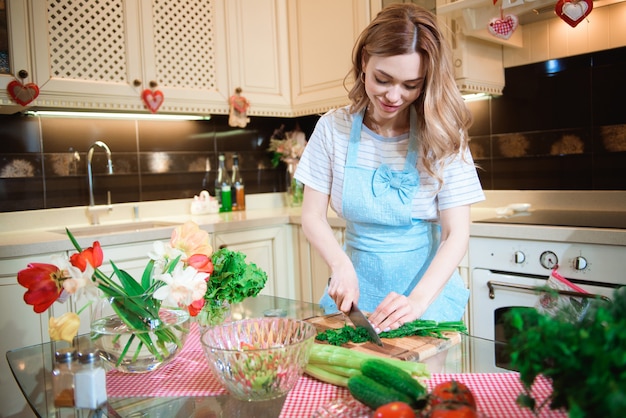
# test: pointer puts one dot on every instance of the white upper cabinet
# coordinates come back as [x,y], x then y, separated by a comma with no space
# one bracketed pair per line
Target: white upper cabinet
[102,55]
[290,57]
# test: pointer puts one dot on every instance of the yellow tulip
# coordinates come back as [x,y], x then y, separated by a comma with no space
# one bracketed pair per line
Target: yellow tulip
[64,328]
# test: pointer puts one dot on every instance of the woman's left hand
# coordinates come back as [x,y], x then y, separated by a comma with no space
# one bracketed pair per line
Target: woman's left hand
[393,312]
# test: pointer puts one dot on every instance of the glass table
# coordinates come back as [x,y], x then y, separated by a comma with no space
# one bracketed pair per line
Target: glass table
[31,367]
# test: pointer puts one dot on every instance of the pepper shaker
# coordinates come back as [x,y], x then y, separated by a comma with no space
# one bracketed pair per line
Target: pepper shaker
[63,377]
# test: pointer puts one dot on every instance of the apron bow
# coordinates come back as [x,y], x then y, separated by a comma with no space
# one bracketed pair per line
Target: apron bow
[405,183]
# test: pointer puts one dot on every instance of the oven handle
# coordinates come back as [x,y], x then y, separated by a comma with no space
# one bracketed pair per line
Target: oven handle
[492,291]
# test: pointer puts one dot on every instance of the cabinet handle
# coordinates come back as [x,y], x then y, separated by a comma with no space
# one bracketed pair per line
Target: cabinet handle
[493,284]
[136,82]
[153,84]
[22,74]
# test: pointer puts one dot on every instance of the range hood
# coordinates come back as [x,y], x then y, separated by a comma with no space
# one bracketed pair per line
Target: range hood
[478,65]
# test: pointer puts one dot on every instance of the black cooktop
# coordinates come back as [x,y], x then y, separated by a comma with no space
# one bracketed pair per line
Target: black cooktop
[569,218]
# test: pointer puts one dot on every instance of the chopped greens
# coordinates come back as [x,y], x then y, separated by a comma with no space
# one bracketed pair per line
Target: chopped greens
[419,327]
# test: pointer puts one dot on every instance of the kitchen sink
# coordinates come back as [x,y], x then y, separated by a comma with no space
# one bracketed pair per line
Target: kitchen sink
[115,228]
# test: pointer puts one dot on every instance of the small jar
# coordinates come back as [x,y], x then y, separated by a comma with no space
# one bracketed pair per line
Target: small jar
[63,377]
[90,381]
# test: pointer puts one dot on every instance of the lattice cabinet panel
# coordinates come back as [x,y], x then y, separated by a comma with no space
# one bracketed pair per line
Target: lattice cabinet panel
[102,54]
[87,40]
[183,33]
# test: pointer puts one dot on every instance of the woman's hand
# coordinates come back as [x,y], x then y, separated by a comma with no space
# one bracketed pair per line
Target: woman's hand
[394,311]
[343,288]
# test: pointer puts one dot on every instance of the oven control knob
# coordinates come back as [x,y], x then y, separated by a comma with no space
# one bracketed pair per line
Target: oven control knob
[548,260]
[580,263]
[519,257]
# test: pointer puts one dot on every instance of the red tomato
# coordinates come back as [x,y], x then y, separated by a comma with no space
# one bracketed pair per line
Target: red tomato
[394,410]
[453,410]
[452,391]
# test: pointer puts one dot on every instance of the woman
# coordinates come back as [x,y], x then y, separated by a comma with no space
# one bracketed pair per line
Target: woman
[396,166]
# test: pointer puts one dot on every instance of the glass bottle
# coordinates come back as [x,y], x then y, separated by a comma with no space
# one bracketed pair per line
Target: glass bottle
[218,183]
[63,377]
[237,188]
[89,381]
[222,186]
[207,171]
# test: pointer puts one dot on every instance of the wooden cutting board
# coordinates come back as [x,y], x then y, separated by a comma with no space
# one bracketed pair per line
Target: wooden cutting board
[413,348]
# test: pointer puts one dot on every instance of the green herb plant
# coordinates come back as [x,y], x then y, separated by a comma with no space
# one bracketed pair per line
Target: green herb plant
[584,359]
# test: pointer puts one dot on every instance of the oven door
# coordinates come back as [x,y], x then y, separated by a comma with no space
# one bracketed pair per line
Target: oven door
[493,294]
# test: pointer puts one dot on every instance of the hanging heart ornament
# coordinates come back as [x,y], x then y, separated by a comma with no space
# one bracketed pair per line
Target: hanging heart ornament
[152,99]
[573,11]
[503,27]
[22,93]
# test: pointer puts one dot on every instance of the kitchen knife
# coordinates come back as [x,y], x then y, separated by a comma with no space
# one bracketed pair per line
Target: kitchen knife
[359,320]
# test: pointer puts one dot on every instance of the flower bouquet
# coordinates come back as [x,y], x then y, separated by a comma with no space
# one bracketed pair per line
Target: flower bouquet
[177,282]
[288,148]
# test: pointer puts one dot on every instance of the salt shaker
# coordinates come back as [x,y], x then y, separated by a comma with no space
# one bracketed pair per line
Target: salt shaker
[89,381]
[63,377]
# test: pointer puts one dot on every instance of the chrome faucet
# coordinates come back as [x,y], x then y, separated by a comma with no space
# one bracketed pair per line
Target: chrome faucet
[93,209]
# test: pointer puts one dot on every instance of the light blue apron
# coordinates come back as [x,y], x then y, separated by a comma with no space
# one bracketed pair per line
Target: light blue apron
[389,249]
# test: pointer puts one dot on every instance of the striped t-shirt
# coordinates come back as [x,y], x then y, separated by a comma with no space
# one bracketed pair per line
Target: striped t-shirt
[322,166]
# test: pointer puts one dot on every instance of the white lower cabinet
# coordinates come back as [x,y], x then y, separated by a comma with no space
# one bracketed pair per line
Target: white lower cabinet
[20,326]
[314,272]
[271,250]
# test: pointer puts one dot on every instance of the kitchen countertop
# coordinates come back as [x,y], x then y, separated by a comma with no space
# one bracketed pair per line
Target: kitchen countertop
[194,392]
[31,232]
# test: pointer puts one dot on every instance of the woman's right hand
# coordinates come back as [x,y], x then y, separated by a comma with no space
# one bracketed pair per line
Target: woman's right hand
[343,288]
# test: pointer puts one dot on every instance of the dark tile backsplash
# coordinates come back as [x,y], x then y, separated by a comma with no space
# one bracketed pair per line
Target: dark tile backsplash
[43,161]
[558,125]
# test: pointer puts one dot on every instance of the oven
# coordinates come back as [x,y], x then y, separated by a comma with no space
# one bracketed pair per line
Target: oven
[504,272]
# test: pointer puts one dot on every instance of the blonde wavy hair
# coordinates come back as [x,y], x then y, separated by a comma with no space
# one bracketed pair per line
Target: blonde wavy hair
[443,117]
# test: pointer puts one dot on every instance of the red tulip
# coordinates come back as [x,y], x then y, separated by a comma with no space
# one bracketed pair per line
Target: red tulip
[196,306]
[92,255]
[43,282]
[201,263]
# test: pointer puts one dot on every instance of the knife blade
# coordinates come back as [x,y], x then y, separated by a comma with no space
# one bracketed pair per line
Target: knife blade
[359,320]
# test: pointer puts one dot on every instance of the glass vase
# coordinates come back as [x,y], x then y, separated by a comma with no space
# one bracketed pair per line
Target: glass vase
[135,335]
[295,189]
[214,313]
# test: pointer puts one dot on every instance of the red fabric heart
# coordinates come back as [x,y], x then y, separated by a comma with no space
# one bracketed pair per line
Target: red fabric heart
[573,12]
[503,27]
[152,99]
[22,93]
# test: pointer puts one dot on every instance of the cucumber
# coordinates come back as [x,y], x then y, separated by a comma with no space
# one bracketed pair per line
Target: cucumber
[393,377]
[372,393]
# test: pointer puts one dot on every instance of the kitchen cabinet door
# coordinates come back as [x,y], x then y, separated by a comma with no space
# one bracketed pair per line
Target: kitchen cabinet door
[20,326]
[269,249]
[102,55]
[290,57]
[314,272]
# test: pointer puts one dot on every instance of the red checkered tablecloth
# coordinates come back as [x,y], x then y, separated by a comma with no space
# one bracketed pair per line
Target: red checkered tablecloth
[189,375]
